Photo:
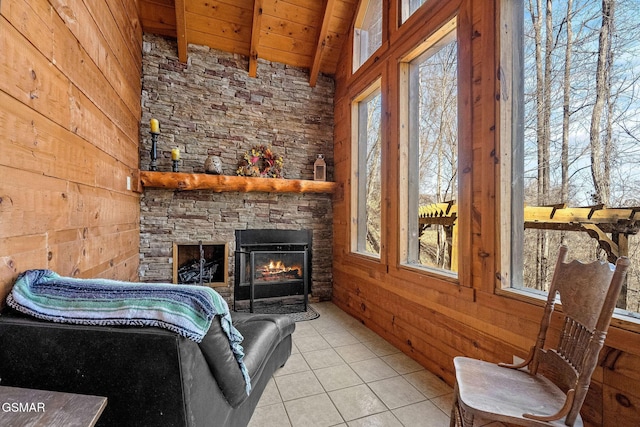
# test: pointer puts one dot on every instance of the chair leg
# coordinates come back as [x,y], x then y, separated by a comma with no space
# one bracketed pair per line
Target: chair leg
[459,418]
[455,420]
[467,419]
[455,416]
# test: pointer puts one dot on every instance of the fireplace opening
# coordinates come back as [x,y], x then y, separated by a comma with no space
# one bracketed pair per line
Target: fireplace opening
[277,267]
[201,263]
[272,267]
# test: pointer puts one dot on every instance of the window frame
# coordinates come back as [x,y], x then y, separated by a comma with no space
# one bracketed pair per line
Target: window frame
[357,62]
[358,158]
[510,201]
[406,143]
[511,119]
[405,13]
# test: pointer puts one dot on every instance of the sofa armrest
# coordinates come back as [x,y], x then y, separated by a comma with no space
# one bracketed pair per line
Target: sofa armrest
[137,369]
[262,334]
[223,364]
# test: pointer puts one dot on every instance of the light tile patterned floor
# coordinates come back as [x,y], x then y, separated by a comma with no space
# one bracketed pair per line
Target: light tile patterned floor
[340,373]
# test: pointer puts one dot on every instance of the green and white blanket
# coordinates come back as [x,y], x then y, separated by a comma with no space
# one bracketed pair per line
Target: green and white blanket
[185,309]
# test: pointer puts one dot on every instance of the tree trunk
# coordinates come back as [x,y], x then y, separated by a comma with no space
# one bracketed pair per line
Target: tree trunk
[537,26]
[537,34]
[566,113]
[566,101]
[543,102]
[607,146]
[546,141]
[599,170]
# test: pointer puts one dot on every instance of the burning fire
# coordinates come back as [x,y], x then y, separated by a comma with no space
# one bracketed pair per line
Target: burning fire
[278,268]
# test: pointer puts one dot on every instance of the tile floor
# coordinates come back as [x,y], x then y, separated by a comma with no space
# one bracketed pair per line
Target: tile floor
[340,373]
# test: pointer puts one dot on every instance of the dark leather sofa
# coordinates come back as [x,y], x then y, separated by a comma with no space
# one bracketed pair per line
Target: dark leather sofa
[151,376]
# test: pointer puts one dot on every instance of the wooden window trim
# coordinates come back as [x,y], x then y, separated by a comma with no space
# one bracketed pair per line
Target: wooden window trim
[359,16]
[404,65]
[356,213]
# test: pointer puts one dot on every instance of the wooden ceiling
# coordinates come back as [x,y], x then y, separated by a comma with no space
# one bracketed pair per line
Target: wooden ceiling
[302,33]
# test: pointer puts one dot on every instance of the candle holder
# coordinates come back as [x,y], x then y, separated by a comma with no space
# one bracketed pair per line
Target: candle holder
[175,165]
[153,166]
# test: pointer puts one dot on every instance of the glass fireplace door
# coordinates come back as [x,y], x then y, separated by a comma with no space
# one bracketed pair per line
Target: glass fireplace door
[274,273]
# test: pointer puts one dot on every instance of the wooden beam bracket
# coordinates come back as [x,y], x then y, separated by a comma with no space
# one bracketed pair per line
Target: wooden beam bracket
[321,43]
[181,30]
[609,246]
[255,38]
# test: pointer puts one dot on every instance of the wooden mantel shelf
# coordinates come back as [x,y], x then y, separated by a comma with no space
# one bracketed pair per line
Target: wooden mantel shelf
[225,183]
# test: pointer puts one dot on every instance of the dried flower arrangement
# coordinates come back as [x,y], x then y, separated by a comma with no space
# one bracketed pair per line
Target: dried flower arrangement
[262,162]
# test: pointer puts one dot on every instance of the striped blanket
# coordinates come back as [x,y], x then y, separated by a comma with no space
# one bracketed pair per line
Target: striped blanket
[185,309]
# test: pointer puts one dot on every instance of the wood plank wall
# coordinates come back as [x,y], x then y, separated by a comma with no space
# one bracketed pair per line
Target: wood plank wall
[69,124]
[433,319]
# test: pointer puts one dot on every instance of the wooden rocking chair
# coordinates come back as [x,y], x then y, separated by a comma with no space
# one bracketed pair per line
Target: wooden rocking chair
[520,394]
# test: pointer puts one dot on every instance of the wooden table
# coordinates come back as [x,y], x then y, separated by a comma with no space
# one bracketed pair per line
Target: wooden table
[21,407]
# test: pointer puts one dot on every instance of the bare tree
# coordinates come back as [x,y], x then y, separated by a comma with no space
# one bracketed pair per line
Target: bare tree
[600,169]
[438,146]
[566,102]
[374,191]
[543,124]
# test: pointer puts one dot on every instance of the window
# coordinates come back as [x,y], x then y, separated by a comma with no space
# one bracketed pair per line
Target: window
[367,155]
[571,176]
[429,153]
[408,7]
[367,37]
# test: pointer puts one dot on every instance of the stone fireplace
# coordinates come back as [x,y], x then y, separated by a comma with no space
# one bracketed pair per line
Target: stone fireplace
[210,106]
[169,216]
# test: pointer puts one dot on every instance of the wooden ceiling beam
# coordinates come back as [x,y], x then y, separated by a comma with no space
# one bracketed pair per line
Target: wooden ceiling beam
[322,41]
[255,38]
[300,33]
[181,30]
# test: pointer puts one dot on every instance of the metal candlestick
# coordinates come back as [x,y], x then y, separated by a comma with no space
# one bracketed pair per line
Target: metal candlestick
[153,166]
[175,165]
